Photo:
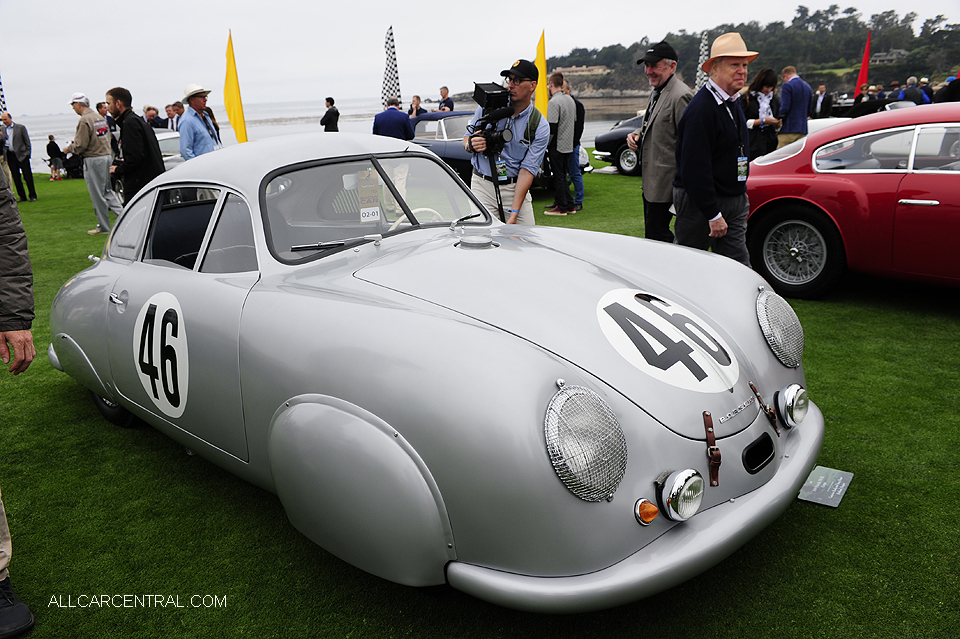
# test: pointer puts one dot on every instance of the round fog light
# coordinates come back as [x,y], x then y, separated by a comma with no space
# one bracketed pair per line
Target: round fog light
[792,404]
[681,494]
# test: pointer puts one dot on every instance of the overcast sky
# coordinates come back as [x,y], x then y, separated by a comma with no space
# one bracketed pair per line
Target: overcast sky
[296,50]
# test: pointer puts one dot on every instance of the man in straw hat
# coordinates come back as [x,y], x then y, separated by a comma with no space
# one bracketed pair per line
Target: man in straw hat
[197,133]
[710,188]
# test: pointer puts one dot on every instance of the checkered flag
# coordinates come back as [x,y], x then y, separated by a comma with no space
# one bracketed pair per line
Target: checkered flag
[701,76]
[3,100]
[391,79]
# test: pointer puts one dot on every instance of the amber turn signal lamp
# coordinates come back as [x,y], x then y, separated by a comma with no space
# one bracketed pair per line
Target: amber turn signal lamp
[645,511]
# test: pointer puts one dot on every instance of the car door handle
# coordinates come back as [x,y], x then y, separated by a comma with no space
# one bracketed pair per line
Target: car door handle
[115,299]
[920,202]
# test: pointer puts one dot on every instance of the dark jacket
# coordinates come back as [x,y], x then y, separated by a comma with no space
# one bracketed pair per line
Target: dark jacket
[826,107]
[330,119]
[393,123]
[949,93]
[53,150]
[16,275]
[579,122]
[709,140]
[20,142]
[140,159]
[914,94]
[763,139]
[794,105]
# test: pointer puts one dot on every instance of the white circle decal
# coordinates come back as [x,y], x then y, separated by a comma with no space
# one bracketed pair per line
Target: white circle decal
[667,341]
[160,349]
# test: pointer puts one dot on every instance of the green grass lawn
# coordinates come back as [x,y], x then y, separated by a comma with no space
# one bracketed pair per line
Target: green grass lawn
[97,510]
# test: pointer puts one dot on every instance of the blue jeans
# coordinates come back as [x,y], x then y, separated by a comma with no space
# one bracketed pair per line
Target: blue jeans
[573,168]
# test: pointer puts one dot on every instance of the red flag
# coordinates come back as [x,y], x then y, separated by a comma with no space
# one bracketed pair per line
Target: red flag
[864,67]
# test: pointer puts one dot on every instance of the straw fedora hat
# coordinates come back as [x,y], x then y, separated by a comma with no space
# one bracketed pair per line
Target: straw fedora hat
[192,90]
[729,44]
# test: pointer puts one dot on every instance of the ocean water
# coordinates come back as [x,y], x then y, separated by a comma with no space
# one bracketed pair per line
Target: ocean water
[266,120]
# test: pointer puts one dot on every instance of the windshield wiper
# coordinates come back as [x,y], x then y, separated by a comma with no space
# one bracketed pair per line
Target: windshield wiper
[322,246]
[453,225]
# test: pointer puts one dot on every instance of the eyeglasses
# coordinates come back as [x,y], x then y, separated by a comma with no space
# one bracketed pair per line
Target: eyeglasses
[512,79]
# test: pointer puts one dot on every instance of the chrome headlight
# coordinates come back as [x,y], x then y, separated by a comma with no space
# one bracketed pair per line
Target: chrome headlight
[792,404]
[681,493]
[780,327]
[585,443]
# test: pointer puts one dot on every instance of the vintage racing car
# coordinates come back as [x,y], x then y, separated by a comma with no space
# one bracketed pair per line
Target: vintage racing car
[549,419]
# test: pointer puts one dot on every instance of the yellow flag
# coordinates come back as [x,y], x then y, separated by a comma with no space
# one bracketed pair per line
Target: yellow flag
[541,97]
[231,95]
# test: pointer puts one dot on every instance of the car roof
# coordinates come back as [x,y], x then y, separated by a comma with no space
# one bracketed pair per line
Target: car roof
[925,114]
[244,165]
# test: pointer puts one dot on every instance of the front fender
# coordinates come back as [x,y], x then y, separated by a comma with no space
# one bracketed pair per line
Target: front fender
[355,486]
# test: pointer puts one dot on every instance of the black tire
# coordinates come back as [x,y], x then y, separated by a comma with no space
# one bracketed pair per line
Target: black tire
[114,413]
[626,161]
[798,250]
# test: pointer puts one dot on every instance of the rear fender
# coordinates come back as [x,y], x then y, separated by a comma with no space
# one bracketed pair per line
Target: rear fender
[356,487]
[67,356]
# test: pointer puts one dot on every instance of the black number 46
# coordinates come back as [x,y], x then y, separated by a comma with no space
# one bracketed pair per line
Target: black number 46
[167,371]
[674,352]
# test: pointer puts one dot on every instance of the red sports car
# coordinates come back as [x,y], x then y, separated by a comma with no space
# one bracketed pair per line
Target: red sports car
[878,194]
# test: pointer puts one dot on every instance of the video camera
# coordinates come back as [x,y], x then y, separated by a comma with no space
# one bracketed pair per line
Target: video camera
[494,100]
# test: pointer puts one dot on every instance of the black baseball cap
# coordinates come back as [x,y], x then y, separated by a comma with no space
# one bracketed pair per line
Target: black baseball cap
[658,52]
[523,69]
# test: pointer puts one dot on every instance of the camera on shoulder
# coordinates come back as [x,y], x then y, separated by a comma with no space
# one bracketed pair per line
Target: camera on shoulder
[494,100]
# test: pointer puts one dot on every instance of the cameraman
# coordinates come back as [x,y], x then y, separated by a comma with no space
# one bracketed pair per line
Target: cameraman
[521,157]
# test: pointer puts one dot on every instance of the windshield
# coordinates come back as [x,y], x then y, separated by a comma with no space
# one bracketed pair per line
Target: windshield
[333,206]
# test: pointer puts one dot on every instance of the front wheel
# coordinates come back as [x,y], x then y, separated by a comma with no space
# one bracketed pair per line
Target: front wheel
[114,413]
[627,161]
[798,250]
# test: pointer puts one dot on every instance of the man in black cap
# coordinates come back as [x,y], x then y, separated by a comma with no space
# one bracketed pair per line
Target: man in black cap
[521,157]
[656,139]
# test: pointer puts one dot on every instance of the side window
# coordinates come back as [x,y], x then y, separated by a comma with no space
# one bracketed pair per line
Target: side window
[938,149]
[427,129]
[181,220]
[231,248]
[126,240]
[885,150]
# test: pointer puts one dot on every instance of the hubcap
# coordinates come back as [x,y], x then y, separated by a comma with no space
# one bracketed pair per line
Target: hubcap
[795,252]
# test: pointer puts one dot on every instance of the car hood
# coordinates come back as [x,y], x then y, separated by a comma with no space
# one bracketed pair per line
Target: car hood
[609,304]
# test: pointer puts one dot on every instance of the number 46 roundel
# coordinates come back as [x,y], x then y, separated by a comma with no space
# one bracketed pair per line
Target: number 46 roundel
[667,341]
[160,351]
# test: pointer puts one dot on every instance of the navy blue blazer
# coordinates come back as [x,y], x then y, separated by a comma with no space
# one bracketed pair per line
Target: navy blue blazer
[393,123]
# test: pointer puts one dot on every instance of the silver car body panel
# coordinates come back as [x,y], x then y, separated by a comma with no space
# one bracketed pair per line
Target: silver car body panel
[393,394]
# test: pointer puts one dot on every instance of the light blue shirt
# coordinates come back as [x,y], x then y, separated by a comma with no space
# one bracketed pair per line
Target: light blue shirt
[197,136]
[517,153]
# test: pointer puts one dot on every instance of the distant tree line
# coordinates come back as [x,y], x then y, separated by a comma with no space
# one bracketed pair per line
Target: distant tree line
[826,46]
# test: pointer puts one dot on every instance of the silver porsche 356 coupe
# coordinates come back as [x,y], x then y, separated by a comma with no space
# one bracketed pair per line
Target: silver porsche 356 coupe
[547,419]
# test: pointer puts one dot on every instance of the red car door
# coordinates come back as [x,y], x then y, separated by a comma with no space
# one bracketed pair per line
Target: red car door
[927,219]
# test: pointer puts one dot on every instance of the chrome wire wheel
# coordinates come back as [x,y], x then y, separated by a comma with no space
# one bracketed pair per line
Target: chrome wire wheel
[627,161]
[795,252]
